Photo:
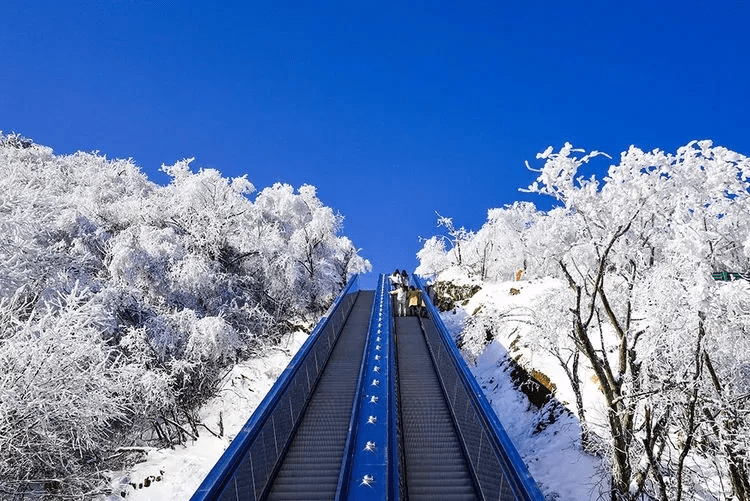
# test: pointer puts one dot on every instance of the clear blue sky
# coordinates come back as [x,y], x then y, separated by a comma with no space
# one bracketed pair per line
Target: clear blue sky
[393,111]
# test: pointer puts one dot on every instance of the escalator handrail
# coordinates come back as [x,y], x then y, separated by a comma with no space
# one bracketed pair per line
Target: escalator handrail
[395,457]
[524,485]
[224,468]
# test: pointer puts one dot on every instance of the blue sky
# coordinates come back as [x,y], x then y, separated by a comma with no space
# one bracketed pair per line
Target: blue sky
[393,111]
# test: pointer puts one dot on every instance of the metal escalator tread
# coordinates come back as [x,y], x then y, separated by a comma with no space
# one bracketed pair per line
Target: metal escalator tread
[435,465]
[311,466]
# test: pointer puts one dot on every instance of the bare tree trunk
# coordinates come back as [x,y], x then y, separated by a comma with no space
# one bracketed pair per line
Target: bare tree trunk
[653,443]
[620,406]
[738,470]
[575,383]
[691,407]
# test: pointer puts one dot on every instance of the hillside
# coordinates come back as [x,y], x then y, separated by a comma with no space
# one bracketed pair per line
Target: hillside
[641,319]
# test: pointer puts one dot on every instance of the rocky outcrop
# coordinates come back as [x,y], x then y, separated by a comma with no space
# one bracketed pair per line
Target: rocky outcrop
[447,294]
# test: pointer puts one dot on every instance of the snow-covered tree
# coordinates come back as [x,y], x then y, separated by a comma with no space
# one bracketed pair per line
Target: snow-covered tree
[637,249]
[495,252]
[122,302]
[65,390]
[657,219]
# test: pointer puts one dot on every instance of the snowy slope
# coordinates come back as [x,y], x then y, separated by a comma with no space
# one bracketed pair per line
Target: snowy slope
[553,455]
[180,471]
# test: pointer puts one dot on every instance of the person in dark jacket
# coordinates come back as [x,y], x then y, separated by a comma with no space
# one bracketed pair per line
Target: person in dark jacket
[404,278]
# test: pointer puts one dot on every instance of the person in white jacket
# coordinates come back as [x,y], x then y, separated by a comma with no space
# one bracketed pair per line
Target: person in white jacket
[395,279]
[400,293]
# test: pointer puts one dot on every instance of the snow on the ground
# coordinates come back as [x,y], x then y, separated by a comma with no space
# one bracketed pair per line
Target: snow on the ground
[554,456]
[180,471]
[497,296]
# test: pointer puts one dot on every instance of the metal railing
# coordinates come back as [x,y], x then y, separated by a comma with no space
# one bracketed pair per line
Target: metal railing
[498,469]
[246,468]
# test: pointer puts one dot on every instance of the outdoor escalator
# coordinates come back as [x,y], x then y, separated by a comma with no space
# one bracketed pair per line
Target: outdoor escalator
[435,464]
[310,469]
[372,407]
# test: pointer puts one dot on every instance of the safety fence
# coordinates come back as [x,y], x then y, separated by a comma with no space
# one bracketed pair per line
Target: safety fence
[499,471]
[728,276]
[246,468]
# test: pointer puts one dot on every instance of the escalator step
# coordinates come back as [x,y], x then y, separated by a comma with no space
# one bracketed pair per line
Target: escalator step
[310,469]
[436,468]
